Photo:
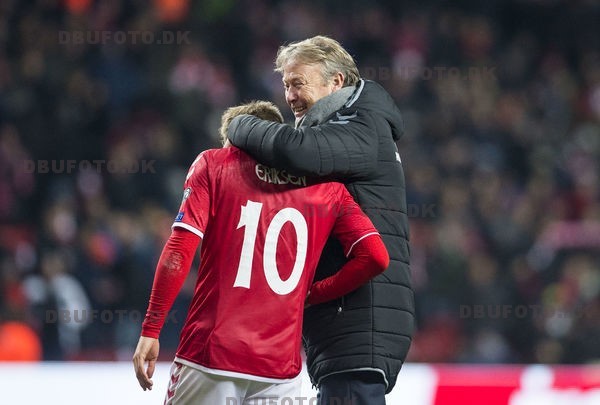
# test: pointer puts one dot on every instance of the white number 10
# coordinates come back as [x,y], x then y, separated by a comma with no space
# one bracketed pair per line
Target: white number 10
[249,218]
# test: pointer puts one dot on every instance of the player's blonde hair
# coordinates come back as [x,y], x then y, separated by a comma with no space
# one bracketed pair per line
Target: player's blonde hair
[262,109]
[320,50]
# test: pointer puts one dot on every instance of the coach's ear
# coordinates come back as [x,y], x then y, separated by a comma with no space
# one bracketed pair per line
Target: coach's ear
[337,82]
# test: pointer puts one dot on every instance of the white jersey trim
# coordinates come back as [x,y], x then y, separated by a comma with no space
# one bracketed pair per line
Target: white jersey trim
[188,227]
[234,374]
[359,239]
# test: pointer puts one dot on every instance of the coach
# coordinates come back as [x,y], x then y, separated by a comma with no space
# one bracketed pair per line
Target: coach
[346,130]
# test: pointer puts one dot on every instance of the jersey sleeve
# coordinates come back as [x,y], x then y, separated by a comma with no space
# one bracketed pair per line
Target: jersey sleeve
[172,268]
[195,206]
[369,258]
[352,224]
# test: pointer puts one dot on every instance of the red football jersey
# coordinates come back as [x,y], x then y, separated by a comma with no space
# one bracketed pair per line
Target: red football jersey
[262,232]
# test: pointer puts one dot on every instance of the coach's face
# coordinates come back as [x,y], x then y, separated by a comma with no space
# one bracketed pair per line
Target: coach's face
[304,86]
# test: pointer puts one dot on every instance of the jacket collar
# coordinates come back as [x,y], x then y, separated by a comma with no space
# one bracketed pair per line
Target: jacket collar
[326,106]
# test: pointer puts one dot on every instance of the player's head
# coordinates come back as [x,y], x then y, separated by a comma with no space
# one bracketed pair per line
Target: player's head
[262,109]
[312,69]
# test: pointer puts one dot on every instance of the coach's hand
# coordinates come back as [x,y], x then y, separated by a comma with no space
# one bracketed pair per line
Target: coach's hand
[146,351]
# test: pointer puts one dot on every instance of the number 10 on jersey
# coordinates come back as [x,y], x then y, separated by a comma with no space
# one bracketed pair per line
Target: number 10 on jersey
[249,219]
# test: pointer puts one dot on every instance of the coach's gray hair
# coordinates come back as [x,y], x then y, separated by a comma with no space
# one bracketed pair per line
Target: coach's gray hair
[322,50]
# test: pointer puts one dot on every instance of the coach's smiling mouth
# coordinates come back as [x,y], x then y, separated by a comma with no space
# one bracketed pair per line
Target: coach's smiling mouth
[299,111]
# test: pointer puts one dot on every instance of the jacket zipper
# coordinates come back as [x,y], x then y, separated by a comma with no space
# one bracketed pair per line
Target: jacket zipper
[342,304]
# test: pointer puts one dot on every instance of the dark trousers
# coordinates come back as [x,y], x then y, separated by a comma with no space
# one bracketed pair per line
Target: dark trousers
[352,388]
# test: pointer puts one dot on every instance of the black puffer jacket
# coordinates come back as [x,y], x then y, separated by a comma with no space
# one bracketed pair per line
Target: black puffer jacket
[370,328]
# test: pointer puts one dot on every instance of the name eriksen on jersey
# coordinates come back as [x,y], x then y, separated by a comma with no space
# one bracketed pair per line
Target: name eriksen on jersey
[276,176]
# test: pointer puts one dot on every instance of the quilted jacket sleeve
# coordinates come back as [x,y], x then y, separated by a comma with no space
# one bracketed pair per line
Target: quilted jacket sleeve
[343,147]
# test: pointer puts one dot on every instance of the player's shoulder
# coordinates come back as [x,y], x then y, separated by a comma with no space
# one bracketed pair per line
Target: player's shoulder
[216,156]
[223,155]
[201,164]
[208,154]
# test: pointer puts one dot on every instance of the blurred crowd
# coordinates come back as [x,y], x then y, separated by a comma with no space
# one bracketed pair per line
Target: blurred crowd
[502,154]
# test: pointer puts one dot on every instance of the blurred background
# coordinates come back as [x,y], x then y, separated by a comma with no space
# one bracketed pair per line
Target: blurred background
[105,104]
